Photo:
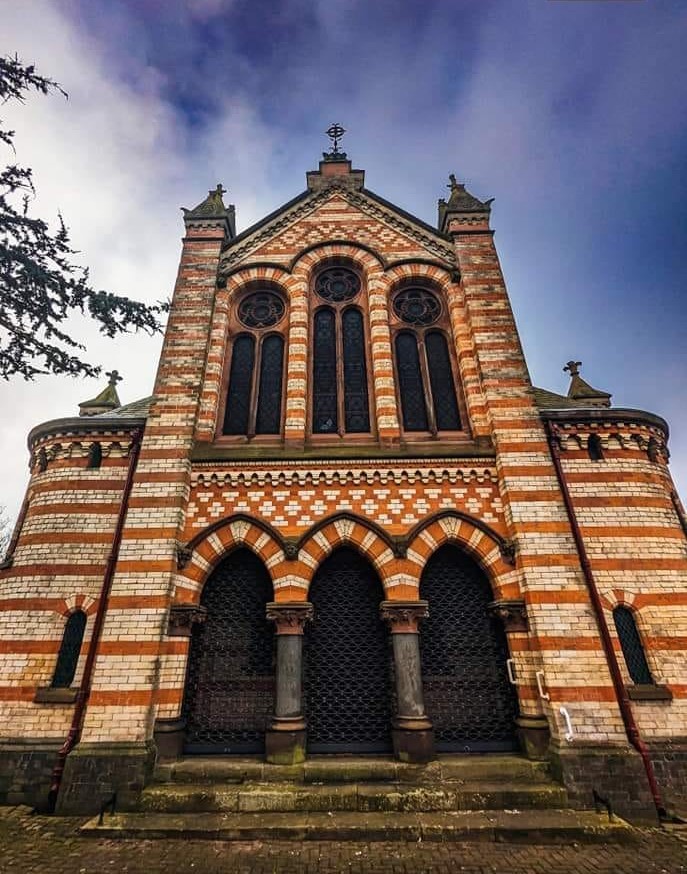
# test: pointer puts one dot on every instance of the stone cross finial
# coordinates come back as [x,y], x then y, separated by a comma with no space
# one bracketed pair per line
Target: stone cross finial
[453,183]
[114,377]
[573,368]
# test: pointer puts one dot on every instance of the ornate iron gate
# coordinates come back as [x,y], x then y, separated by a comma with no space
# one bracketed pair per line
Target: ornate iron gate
[347,660]
[467,694]
[229,694]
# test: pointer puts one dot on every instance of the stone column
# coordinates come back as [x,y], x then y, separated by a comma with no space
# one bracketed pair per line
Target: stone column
[533,727]
[285,737]
[412,732]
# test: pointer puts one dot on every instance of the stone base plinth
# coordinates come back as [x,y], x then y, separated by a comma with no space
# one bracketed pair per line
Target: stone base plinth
[169,737]
[534,736]
[413,744]
[25,770]
[284,744]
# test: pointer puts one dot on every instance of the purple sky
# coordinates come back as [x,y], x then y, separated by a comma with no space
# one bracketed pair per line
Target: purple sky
[571,114]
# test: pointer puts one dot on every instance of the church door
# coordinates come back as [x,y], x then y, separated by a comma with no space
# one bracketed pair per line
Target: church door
[230,680]
[467,694]
[347,655]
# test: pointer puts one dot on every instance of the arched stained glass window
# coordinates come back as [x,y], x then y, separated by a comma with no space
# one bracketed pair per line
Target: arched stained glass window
[325,407]
[426,384]
[631,644]
[446,412]
[356,404]
[410,383]
[240,383]
[70,648]
[268,419]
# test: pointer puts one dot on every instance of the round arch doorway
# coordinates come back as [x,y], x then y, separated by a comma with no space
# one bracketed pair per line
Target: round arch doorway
[463,649]
[348,698]
[230,680]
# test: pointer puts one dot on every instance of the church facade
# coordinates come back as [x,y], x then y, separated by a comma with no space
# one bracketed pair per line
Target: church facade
[345,522]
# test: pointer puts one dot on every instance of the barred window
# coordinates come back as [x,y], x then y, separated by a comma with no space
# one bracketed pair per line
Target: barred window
[256,371]
[426,384]
[70,648]
[631,645]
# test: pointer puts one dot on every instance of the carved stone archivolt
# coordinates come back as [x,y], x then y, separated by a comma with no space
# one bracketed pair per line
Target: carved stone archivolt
[403,616]
[290,617]
[183,617]
[512,613]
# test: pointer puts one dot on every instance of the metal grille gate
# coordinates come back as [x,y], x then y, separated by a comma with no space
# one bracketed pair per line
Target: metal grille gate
[347,660]
[229,693]
[467,694]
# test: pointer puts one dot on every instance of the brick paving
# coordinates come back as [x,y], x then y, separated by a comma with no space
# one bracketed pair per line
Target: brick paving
[30,844]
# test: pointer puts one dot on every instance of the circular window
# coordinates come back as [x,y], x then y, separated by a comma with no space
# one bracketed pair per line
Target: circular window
[262,309]
[337,284]
[417,306]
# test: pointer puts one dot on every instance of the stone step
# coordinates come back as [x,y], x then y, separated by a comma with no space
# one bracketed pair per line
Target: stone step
[283,797]
[492,768]
[535,827]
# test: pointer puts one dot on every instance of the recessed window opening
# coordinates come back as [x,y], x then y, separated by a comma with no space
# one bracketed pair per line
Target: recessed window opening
[631,645]
[594,448]
[95,456]
[70,648]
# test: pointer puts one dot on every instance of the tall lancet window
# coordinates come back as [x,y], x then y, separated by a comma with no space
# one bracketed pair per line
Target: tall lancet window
[256,370]
[424,366]
[340,393]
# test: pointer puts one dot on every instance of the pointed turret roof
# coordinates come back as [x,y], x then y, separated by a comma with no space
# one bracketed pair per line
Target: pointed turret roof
[580,390]
[107,400]
[461,203]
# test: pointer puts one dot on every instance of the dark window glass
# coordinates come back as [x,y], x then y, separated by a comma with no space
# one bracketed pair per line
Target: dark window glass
[325,419]
[594,448]
[95,455]
[631,644]
[441,379]
[356,405]
[68,656]
[416,306]
[261,310]
[269,392]
[240,379]
[410,383]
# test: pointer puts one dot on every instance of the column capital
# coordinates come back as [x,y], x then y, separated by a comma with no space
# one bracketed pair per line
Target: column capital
[182,618]
[512,612]
[290,616]
[403,616]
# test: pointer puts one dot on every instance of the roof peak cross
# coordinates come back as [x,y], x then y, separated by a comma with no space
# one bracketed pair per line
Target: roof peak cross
[335,132]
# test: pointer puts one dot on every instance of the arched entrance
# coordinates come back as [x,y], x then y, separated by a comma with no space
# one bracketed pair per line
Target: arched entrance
[463,651]
[229,694]
[347,677]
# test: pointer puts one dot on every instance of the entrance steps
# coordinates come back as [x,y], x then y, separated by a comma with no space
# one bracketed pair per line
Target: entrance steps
[487,797]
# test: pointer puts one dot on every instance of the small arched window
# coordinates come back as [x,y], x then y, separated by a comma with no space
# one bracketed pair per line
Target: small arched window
[95,456]
[631,645]
[594,448]
[256,372]
[340,394]
[427,387]
[70,648]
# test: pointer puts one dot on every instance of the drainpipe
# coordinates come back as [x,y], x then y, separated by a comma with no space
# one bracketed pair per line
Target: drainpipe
[631,727]
[6,562]
[84,692]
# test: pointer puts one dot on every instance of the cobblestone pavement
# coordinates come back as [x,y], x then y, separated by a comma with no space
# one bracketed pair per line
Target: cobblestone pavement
[31,844]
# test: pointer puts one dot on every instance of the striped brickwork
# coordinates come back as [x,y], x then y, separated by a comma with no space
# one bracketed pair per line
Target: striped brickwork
[57,567]
[637,550]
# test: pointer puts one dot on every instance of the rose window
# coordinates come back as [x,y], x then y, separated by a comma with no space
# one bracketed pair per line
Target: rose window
[417,306]
[337,284]
[262,309]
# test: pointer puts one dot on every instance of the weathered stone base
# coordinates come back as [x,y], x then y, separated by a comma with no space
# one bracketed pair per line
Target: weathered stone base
[169,737]
[669,758]
[25,769]
[93,772]
[413,745]
[285,747]
[534,736]
[616,773]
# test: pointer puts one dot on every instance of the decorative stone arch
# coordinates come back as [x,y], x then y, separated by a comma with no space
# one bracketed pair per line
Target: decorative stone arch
[199,557]
[346,529]
[365,257]
[492,552]
[85,603]
[422,270]
[256,274]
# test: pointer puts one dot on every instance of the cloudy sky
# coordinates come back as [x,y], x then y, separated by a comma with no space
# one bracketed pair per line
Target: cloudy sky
[571,114]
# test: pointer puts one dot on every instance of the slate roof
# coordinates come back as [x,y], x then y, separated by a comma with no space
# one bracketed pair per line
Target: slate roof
[135,410]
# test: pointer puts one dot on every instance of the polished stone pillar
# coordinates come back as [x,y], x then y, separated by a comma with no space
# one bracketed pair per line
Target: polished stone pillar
[285,737]
[412,732]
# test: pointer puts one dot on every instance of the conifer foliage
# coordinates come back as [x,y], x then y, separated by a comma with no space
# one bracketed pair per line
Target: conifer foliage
[40,286]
